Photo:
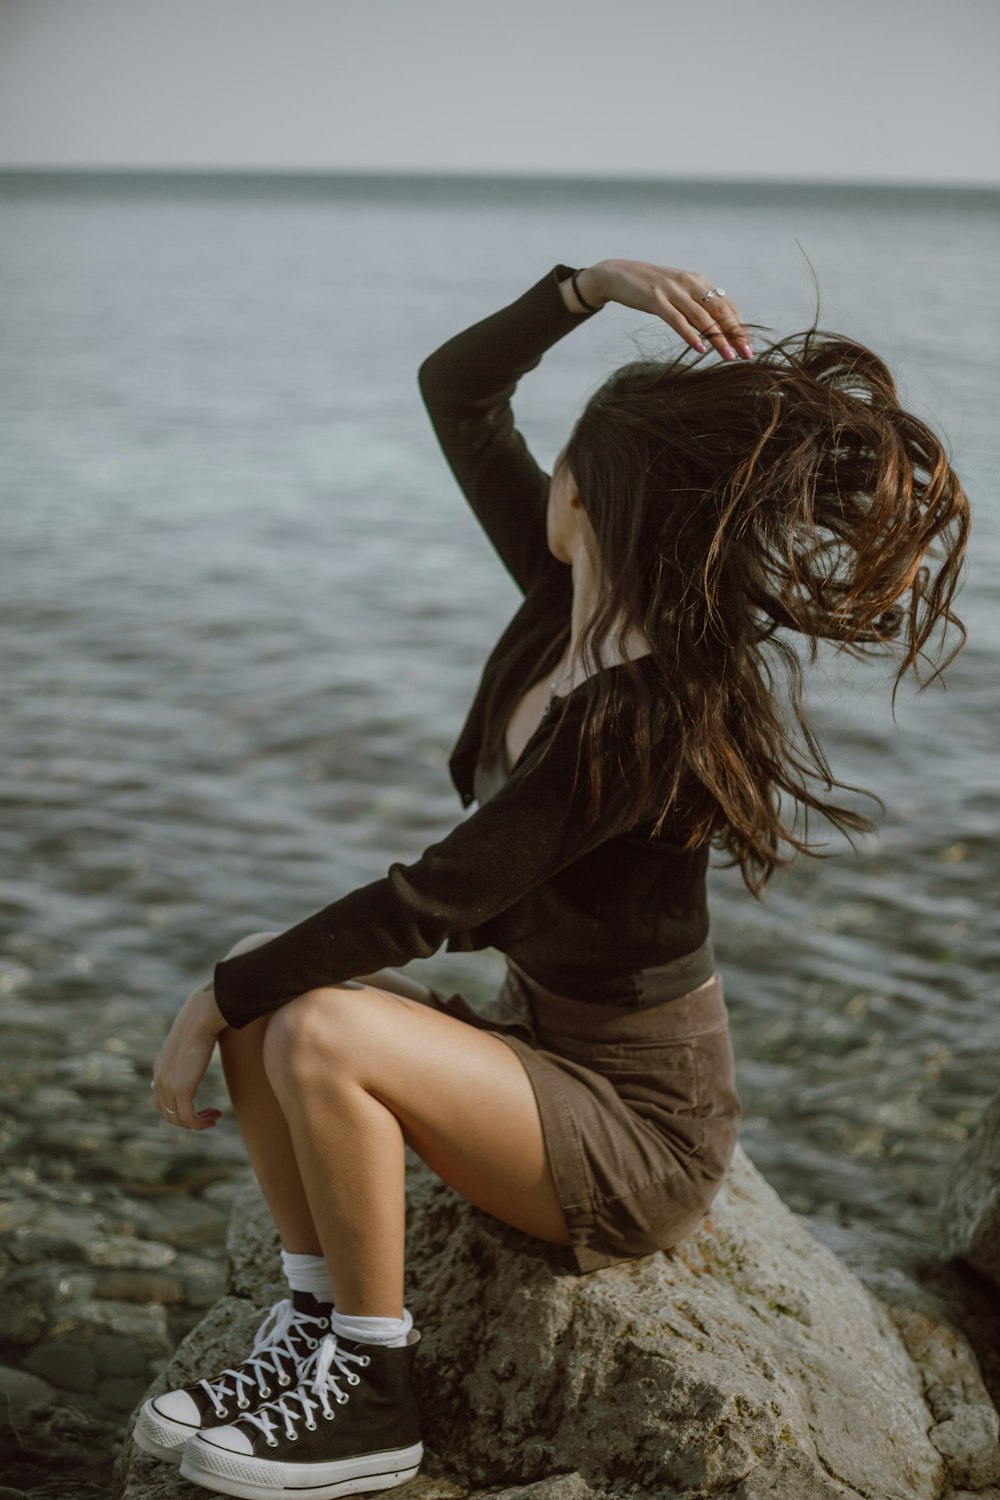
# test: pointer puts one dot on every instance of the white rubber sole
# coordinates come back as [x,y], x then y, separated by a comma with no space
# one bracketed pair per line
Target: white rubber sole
[159,1436]
[231,1473]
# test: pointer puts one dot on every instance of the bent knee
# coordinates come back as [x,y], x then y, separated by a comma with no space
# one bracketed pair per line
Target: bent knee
[311,1030]
[254,940]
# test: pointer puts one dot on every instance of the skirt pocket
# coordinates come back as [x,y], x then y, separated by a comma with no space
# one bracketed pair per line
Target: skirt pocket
[671,1068]
[657,1081]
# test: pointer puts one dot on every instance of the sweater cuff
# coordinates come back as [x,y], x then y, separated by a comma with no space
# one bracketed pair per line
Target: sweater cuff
[562,273]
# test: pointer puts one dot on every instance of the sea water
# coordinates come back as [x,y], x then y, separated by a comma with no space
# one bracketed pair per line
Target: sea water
[245,608]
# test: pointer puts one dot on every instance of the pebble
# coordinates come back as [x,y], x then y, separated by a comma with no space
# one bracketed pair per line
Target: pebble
[120,1395]
[22,1390]
[116,1356]
[112,1236]
[125,1252]
[71,1367]
[185,1223]
[138,1286]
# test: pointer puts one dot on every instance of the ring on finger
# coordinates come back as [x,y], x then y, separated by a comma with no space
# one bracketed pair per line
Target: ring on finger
[164,1107]
[715,291]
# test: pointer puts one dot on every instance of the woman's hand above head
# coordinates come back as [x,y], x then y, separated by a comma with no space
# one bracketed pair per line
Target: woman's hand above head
[670,294]
[182,1060]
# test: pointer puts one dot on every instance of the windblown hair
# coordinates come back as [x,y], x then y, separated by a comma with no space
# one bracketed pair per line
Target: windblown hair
[738,509]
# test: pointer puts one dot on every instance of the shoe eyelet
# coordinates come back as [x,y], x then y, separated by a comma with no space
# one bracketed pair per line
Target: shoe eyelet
[293,1436]
[265,1391]
[284,1380]
[242,1404]
[329,1415]
[310,1427]
[353,1379]
[313,1343]
[343,1399]
[366,1359]
[221,1413]
[272,1442]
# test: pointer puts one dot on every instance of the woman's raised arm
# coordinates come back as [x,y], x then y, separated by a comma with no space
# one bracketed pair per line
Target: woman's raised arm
[467,385]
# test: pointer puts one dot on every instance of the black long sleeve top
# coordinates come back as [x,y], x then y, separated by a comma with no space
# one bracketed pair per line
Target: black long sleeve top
[523,873]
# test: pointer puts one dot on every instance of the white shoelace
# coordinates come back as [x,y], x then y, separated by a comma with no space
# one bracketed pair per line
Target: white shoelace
[284,1320]
[315,1381]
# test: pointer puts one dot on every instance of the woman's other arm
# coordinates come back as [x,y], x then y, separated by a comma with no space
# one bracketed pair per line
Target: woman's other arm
[528,831]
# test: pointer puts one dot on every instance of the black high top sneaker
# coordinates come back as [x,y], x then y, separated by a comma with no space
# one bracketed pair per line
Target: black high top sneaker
[292,1330]
[350,1426]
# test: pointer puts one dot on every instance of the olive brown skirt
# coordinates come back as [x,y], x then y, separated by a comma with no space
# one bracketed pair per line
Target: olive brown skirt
[638,1103]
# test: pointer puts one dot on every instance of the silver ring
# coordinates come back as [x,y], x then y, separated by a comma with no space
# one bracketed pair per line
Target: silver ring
[718,291]
[165,1110]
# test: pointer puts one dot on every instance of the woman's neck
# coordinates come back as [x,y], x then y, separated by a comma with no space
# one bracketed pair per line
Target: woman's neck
[585,599]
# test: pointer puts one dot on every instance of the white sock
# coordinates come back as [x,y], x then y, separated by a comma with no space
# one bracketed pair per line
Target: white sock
[307,1273]
[387,1331]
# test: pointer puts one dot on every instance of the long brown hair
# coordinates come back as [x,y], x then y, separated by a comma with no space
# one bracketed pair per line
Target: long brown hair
[738,509]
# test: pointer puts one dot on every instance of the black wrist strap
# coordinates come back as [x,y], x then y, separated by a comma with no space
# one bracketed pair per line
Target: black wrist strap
[582,300]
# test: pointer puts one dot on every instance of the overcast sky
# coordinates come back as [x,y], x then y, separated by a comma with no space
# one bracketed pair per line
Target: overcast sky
[853,89]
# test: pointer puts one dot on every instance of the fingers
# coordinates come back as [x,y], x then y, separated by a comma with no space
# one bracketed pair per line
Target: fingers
[185,1114]
[727,331]
[166,1104]
[721,321]
[180,1111]
[158,1103]
[670,315]
[718,320]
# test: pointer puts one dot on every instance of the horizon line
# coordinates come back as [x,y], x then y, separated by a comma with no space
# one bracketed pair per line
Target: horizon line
[445,174]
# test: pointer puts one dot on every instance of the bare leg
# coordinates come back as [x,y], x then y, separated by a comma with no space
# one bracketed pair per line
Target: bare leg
[262,1121]
[263,1126]
[357,1073]
[265,1134]
[349,1150]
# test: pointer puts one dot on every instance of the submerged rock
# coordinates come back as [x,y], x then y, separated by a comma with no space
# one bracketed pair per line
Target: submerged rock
[20,1390]
[749,1361]
[970,1205]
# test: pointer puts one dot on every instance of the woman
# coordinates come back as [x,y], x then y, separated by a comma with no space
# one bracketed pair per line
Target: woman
[630,717]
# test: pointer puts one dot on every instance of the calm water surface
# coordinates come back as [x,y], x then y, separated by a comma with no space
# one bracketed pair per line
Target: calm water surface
[245,608]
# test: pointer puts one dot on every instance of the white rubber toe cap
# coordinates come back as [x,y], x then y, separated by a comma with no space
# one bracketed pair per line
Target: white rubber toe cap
[233,1439]
[177,1406]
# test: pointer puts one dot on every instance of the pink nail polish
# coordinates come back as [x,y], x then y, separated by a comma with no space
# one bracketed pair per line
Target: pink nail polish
[701,348]
[748,351]
[728,353]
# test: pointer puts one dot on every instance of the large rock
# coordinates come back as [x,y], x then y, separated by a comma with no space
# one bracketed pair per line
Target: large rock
[970,1205]
[949,1321]
[749,1362]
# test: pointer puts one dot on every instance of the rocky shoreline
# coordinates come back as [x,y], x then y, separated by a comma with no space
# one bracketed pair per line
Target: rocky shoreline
[749,1363]
[112,1238]
[113,1254]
